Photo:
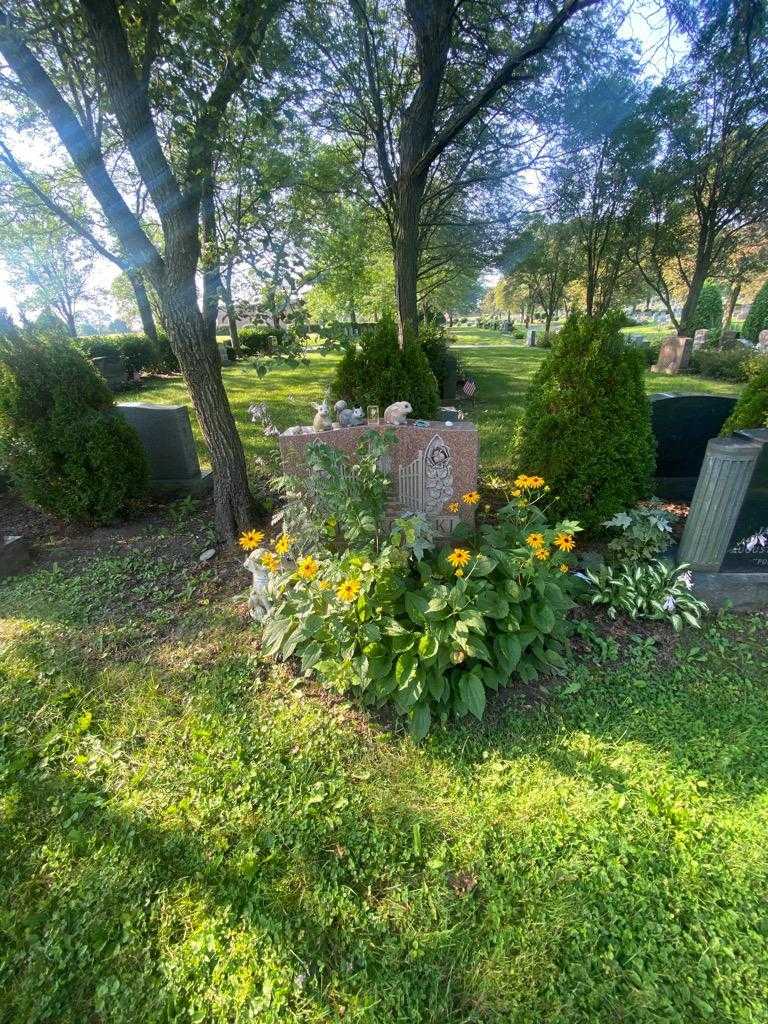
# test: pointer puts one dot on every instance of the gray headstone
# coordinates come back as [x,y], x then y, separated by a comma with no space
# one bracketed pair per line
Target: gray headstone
[166,435]
[638,340]
[14,555]
[700,339]
[530,338]
[223,354]
[111,370]
[728,339]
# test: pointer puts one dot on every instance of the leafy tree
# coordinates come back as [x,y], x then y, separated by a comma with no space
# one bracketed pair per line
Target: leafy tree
[757,318]
[546,258]
[152,83]
[708,314]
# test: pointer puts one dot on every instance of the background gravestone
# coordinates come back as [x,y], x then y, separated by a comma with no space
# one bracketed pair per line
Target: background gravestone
[111,370]
[530,338]
[166,435]
[682,426]
[728,339]
[743,556]
[700,339]
[223,354]
[674,355]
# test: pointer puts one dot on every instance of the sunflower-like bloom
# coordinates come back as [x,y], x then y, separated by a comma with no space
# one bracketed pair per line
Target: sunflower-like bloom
[563,567]
[542,554]
[307,567]
[470,498]
[564,541]
[283,543]
[348,590]
[270,561]
[251,539]
[452,506]
[535,540]
[459,557]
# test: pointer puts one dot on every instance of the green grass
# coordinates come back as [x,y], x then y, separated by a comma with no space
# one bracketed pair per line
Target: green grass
[503,371]
[189,834]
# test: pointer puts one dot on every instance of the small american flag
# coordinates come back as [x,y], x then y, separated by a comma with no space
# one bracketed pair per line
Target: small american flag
[470,388]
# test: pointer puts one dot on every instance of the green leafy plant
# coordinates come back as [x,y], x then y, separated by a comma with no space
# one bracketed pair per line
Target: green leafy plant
[708,314]
[735,364]
[64,449]
[648,590]
[376,371]
[643,533]
[587,422]
[751,410]
[757,318]
[426,630]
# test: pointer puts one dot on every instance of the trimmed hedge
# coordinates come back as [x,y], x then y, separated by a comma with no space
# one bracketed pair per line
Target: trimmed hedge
[708,314]
[63,449]
[587,423]
[751,410]
[376,371]
[757,318]
[136,351]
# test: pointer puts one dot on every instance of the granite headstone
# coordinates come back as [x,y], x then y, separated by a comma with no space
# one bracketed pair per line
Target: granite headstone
[166,435]
[674,355]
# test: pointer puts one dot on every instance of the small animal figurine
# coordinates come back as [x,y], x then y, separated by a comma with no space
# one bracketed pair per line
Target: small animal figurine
[351,417]
[322,420]
[396,414]
[292,431]
[339,408]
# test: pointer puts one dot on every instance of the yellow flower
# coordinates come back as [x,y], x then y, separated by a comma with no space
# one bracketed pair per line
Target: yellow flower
[251,539]
[270,561]
[307,567]
[542,553]
[459,557]
[283,543]
[324,585]
[564,541]
[535,540]
[516,492]
[535,482]
[348,590]
[564,567]
[522,481]
[459,572]
[452,506]
[470,498]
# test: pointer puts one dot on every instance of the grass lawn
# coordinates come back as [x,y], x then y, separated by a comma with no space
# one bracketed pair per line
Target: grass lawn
[503,372]
[188,833]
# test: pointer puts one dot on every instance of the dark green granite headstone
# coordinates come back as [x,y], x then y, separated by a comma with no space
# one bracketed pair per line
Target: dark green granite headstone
[682,426]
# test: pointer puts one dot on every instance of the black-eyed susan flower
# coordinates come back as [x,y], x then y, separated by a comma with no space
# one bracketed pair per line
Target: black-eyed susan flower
[542,554]
[470,498]
[535,540]
[452,506]
[283,543]
[459,557]
[270,561]
[348,590]
[251,539]
[564,541]
[307,567]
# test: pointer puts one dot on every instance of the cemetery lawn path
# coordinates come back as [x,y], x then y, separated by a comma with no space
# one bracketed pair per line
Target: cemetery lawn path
[503,372]
[189,833]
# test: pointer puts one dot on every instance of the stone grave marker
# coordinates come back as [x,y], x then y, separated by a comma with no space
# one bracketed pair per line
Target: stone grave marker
[762,342]
[111,370]
[728,339]
[637,340]
[223,354]
[682,426]
[700,339]
[15,555]
[430,466]
[166,435]
[726,534]
[530,338]
[674,355]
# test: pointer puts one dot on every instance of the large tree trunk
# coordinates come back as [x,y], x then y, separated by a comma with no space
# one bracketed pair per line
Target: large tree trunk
[142,301]
[194,345]
[730,305]
[234,336]
[699,276]
[406,252]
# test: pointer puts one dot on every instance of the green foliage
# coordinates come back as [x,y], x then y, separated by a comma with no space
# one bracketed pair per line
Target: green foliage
[643,533]
[136,351]
[378,372]
[64,450]
[708,314]
[757,318]
[648,590]
[733,364]
[751,410]
[429,631]
[587,423]
[261,340]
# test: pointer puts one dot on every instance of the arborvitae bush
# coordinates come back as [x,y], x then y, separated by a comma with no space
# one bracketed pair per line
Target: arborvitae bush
[751,410]
[63,448]
[587,423]
[135,351]
[376,371]
[757,318]
[708,314]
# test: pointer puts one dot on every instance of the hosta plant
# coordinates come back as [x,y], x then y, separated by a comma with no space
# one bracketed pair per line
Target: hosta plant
[429,630]
[649,590]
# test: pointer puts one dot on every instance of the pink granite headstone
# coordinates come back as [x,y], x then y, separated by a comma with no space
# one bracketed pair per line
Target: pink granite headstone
[674,355]
[429,467]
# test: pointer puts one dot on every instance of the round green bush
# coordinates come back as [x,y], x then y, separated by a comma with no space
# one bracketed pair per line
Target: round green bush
[64,449]
[751,410]
[757,318]
[708,314]
[376,371]
[587,422]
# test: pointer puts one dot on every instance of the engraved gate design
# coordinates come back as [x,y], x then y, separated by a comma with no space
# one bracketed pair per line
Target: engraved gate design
[426,484]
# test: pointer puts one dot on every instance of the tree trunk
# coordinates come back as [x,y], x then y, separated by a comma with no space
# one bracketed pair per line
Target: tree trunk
[70,322]
[733,298]
[142,301]
[234,336]
[699,276]
[406,251]
[194,345]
